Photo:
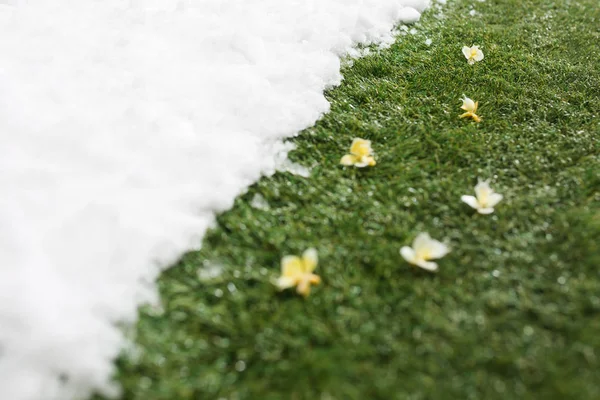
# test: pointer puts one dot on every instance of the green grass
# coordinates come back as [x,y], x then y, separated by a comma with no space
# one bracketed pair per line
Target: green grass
[514,311]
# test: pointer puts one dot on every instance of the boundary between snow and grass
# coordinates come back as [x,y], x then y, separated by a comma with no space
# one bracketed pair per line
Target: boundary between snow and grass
[125,128]
[513,311]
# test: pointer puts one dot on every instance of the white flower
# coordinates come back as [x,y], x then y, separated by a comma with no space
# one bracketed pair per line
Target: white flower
[470,107]
[361,154]
[298,271]
[486,198]
[472,54]
[424,248]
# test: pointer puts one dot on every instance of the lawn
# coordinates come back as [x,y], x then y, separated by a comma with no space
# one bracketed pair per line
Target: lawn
[514,310]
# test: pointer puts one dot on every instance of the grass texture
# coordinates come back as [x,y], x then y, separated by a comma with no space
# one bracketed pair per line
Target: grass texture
[514,311]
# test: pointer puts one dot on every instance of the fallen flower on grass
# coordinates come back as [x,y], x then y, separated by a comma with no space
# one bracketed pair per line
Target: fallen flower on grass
[485,199]
[298,271]
[473,54]
[361,154]
[470,107]
[423,249]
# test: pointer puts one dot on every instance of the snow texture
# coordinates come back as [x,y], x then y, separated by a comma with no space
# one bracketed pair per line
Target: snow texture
[124,127]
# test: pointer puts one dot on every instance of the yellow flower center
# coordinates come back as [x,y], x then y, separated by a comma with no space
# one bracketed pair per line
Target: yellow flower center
[424,254]
[473,53]
[484,197]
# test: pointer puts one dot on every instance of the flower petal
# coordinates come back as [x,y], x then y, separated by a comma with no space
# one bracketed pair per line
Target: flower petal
[483,190]
[408,254]
[470,200]
[485,210]
[310,259]
[364,162]
[428,265]
[291,266]
[466,50]
[421,243]
[285,283]
[437,249]
[478,55]
[303,287]
[468,104]
[427,248]
[494,199]
[348,160]
[314,279]
[361,147]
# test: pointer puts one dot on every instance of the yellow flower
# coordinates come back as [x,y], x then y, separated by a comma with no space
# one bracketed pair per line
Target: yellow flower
[361,154]
[472,54]
[298,271]
[471,108]
[424,248]
[486,198]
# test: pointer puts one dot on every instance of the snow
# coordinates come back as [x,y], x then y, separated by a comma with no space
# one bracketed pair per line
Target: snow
[125,126]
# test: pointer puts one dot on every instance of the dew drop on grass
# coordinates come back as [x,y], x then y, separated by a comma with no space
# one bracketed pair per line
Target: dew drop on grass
[145,382]
[259,202]
[240,366]
[231,287]
[416,333]
[209,271]
[155,310]
[499,386]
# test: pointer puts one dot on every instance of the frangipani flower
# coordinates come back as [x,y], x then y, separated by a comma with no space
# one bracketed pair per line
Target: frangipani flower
[470,107]
[486,198]
[298,271]
[424,248]
[361,154]
[472,54]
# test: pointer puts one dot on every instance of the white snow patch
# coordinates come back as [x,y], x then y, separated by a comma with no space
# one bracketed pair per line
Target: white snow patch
[125,126]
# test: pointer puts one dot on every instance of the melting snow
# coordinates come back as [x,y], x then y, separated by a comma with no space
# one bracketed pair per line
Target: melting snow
[125,126]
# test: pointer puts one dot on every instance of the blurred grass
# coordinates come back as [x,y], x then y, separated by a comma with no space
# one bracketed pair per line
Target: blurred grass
[513,313]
